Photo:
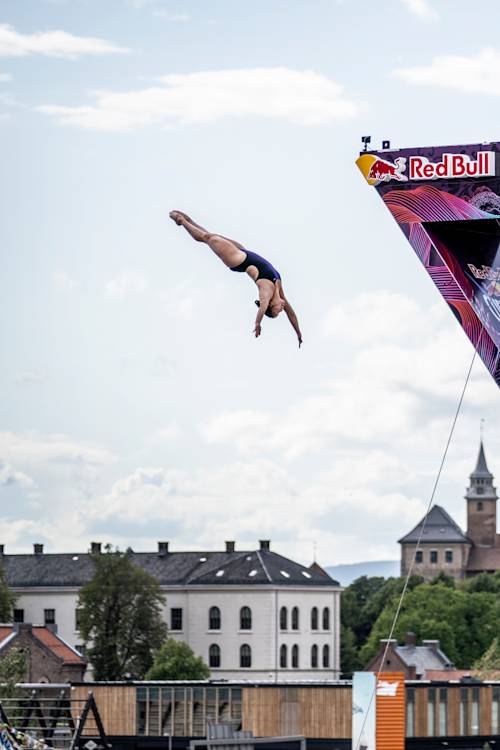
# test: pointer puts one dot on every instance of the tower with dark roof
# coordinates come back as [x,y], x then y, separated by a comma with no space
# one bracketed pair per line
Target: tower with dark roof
[481,500]
[441,546]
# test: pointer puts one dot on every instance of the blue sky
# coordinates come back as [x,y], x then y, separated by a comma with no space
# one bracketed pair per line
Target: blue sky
[136,403]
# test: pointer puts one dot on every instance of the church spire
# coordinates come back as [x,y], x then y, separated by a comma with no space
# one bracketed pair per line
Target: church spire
[481,499]
[481,469]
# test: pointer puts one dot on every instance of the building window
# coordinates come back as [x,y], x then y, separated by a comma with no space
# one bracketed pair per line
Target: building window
[81,648]
[410,712]
[184,711]
[480,503]
[495,711]
[245,618]
[326,619]
[448,556]
[295,618]
[464,724]
[18,615]
[283,657]
[176,618]
[314,618]
[326,656]
[245,656]
[49,616]
[419,556]
[214,655]
[314,656]
[295,656]
[443,712]
[434,556]
[431,712]
[78,618]
[284,618]
[214,618]
[474,718]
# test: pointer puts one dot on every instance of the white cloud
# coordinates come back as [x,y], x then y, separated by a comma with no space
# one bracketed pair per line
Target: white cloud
[128,282]
[404,359]
[384,316]
[52,44]
[302,97]
[252,499]
[421,8]
[35,448]
[479,74]
[9,476]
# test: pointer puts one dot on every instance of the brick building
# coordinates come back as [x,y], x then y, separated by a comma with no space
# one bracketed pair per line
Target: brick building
[50,658]
[445,547]
[415,661]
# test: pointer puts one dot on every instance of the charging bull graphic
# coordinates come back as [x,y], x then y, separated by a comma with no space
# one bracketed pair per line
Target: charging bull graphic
[377,170]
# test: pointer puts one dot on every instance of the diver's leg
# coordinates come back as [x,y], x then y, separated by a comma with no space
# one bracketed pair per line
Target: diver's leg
[194,223]
[227,251]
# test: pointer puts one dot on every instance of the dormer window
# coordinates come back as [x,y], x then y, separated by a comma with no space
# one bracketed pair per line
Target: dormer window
[480,490]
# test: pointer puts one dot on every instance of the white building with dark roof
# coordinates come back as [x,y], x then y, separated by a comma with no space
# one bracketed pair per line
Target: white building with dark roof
[250,614]
[445,547]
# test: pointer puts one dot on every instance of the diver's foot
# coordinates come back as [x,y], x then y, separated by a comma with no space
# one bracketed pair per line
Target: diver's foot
[176,216]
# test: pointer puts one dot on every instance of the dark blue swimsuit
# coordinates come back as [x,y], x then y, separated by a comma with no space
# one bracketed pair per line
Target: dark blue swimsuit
[265,269]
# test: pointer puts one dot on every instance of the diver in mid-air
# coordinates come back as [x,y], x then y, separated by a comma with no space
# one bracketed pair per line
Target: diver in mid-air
[272,298]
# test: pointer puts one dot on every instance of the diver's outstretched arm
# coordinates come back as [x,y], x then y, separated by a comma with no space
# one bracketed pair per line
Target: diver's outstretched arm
[291,315]
[294,321]
[265,297]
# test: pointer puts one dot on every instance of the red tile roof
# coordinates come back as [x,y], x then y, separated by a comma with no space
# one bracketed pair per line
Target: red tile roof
[5,631]
[484,558]
[57,645]
[50,640]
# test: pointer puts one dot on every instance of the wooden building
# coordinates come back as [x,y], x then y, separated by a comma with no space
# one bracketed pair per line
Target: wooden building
[318,711]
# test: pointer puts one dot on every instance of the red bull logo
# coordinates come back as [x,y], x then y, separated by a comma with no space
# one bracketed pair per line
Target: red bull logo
[383,171]
[377,170]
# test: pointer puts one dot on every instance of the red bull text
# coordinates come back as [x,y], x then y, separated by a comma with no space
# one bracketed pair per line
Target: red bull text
[452,166]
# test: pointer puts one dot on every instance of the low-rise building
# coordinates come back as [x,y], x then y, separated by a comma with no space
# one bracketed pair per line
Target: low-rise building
[48,657]
[415,661]
[249,614]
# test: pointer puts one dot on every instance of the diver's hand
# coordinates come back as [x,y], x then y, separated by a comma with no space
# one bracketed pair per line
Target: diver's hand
[256,330]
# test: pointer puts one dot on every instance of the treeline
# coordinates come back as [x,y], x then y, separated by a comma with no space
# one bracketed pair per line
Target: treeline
[464,616]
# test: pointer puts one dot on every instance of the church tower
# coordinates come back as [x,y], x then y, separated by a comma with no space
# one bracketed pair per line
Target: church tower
[481,499]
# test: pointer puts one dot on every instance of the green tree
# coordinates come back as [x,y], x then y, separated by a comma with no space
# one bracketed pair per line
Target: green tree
[464,622]
[446,580]
[175,660]
[489,582]
[487,667]
[121,617]
[7,599]
[349,660]
[13,667]
[363,601]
